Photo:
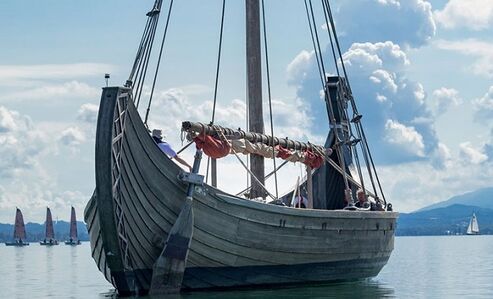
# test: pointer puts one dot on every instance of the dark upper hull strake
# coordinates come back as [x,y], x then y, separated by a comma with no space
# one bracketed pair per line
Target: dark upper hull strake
[236,242]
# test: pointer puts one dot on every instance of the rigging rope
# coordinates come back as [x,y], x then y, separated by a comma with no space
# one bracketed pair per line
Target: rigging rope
[327,96]
[216,83]
[158,62]
[270,97]
[364,146]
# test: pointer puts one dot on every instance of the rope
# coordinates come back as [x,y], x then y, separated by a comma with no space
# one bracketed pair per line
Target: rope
[266,177]
[147,55]
[158,62]
[327,96]
[361,134]
[224,139]
[218,62]
[270,96]
[216,83]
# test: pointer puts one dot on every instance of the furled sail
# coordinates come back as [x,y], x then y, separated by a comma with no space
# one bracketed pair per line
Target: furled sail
[50,232]
[217,142]
[20,229]
[73,225]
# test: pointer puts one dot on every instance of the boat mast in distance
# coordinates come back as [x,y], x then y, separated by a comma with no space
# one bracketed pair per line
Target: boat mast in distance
[254,91]
[73,230]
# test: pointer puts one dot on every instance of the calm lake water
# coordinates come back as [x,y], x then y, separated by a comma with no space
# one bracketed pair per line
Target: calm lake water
[420,267]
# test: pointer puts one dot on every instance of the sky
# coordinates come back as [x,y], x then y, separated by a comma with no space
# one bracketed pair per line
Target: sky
[421,73]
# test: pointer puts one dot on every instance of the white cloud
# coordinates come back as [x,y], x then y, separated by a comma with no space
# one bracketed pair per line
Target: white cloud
[472,14]
[484,107]
[88,113]
[52,71]
[72,136]
[299,67]
[382,91]
[471,154]
[482,51]
[377,20]
[54,92]
[20,143]
[406,138]
[445,98]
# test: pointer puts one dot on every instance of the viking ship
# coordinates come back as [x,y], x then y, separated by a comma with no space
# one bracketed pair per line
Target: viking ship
[49,239]
[473,227]
[19,230]
[73,238]
[155,228]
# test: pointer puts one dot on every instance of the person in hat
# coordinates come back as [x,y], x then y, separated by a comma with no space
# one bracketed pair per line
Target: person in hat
[158,137]
[362,200]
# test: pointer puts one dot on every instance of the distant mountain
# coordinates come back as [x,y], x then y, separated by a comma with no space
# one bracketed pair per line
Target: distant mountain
[482,198]
[452,219]
[35,231]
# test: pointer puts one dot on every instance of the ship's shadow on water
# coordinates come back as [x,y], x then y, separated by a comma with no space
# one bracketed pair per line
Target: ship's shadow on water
[358,289]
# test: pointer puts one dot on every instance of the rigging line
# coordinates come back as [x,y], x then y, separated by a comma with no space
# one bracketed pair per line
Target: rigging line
[355,110]
[266,177]
[331,109]
[336,39]
[139,75]
[138,56]
[224,139]
[145,64]
[315,50]
[373,166]
[216,83]
[158,61]
[330,37]
[270,96]
[184,148]
[218,61]
[151,14]
[365,157]
[325,4]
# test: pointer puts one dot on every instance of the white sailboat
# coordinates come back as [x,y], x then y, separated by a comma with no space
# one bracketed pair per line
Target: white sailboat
[473,228]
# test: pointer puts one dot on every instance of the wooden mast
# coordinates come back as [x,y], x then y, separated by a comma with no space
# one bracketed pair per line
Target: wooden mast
[254,90]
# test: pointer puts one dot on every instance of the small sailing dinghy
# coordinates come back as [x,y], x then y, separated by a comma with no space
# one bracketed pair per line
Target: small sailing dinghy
[157,229]
[19,230]
[73,239]
[473,228]
[49,239]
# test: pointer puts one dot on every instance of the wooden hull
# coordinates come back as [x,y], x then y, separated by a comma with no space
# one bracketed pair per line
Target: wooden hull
[236,242]
[16,244]
[48,243]
[73,243]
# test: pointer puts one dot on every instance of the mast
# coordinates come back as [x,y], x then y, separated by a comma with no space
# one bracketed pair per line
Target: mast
[50,233]
[254,90]
[73,225]
[19,229]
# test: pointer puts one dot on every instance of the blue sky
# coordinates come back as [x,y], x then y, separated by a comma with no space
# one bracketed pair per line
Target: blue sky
[421,72]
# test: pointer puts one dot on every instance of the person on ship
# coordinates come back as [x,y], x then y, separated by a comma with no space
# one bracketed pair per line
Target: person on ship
[158,137]
[362,200]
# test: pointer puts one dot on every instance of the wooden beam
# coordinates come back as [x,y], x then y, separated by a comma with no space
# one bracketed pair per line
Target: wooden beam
[254,90]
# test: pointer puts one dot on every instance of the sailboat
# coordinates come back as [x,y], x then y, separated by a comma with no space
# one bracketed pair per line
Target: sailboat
[19,230]
[73,239]
[473,228]
[49,239]
[156,229]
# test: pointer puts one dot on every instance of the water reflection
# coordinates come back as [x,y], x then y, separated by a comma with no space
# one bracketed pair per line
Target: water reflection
[358,289]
